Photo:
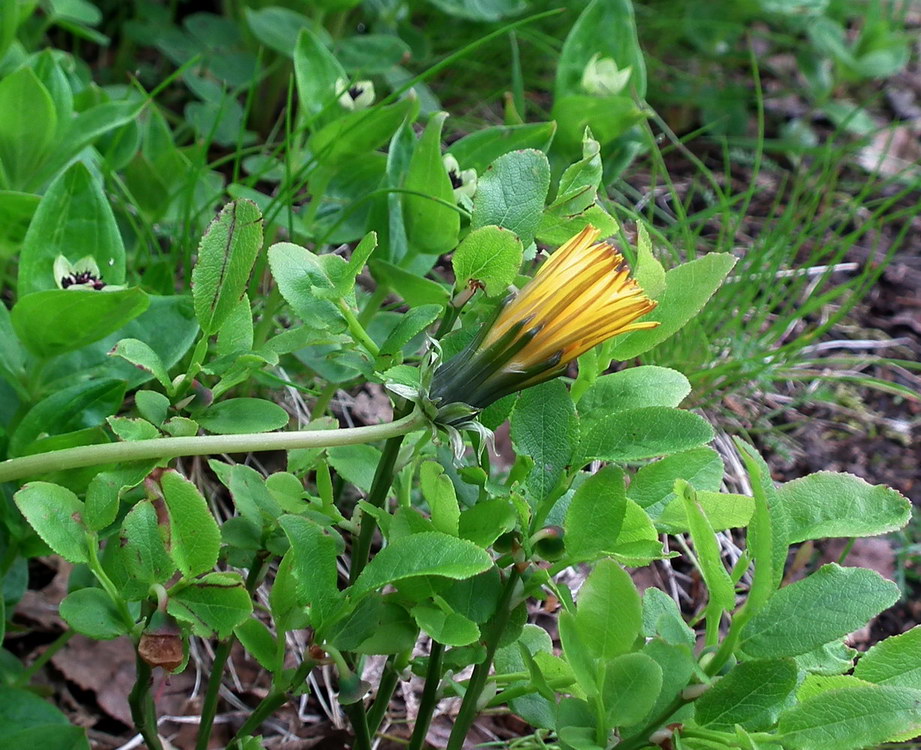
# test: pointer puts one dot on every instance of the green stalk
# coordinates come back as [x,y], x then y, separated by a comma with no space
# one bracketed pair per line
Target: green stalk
[221,654]
[140,699]
[380,486]
[385,688]
[468,709]
[429,697]
[44,657]
[271,703]
[357,329]
[166,448]
[359,722]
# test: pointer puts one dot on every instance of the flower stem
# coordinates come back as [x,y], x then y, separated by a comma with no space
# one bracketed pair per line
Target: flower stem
[389,679]
[429,697]
[469,706]
[357,329]
[166,448]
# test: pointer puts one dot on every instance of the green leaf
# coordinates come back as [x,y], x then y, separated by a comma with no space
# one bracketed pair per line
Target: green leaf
[851,718]
[429,553]
[646,432]
[662,617]
[449,628]
[372,53]
[356,134]
[75,408]
[214,604]
[606,28]
[535,709]
[722,511]
[195,539]
[277,27]
[226,255]
[490,256]
[30,721]
[93,613]
[73,220]
[480,10]
[631,685]
[687,289]
[413,322]
[719,585]
[542,427]
[596,515]
[168,326]
[653,486]
[143,540]
[316,73]
[828,504]
[481,148]
[236,335]
[609,118]
[27,128]
[105,489]
[415,290]
[487,521]
[439,493]
[153,406]
[634,388]
[239,415]
[259,643]
[804,615]
[355,463]
[580,181]
[141,355]
[894,661]
[431,227]
[16,211]
[57,321]
[314,565]
[751,695]
[608,613]
[556,227]
[55,514]
[133,428]
[512,192]
[343,272]
[649,273]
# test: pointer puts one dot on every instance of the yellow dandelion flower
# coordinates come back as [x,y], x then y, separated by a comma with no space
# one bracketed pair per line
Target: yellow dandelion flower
[583,295]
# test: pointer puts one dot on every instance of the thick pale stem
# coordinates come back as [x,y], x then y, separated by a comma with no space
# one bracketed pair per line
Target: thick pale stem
[206,445]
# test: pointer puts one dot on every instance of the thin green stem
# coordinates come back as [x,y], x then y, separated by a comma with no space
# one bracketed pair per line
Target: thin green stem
[470,704]
[380,486]
[641,739]
[271,703]
[385,688]
[429,697]
[357,329]
[166,448]
[359,722]
[44,657]
[221,654]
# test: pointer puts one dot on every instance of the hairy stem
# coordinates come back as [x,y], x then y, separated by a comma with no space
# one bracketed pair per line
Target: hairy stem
[468,709]
[166,448]
[429,697]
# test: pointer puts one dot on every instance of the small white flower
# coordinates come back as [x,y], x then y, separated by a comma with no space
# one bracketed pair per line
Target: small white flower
[357,95]
[463,182]
[602,77]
